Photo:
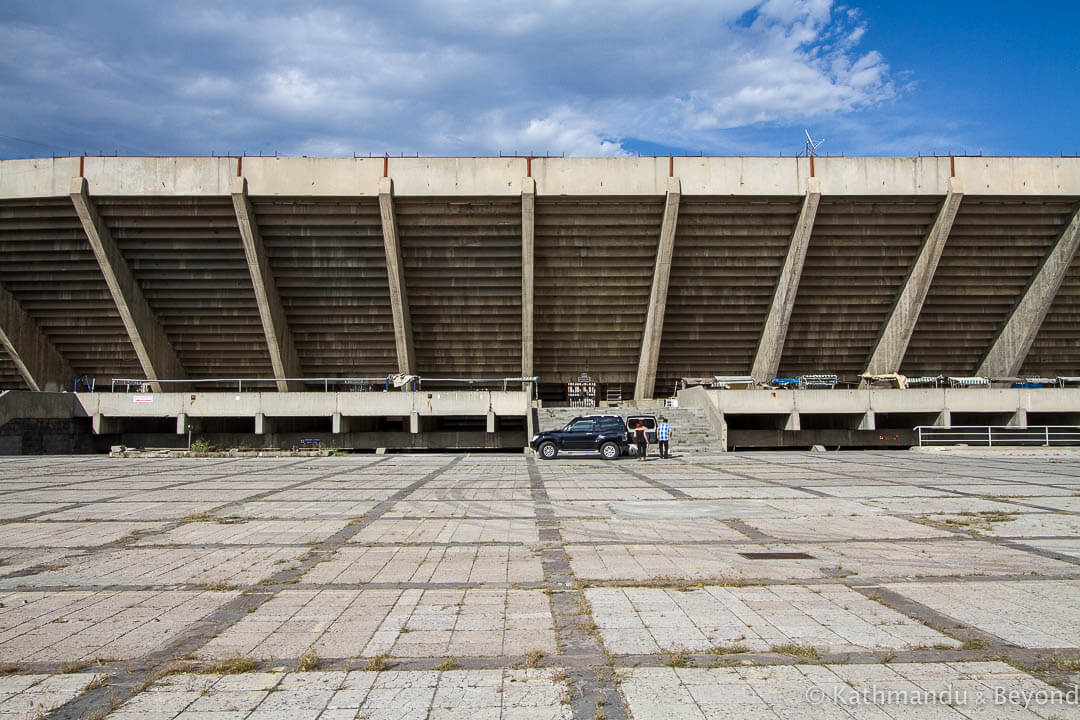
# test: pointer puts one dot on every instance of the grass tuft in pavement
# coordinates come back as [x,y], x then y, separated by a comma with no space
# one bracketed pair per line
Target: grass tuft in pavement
[728,649]
[804,652]
[534,658]
[1065,664]
[974,643]
[308,661]
[232,666]
[678,658]
[377,663]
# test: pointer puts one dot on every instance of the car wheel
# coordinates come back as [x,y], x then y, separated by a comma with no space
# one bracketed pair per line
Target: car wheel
[609,451]
[547,451]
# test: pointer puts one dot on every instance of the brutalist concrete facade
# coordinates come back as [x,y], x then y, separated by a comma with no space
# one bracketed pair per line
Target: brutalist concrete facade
[639,271]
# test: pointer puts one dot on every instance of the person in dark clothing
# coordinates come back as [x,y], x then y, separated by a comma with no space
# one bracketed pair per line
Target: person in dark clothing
[642,441]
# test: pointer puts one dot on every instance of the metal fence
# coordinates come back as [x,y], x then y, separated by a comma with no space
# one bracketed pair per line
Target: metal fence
[994,436]
[326,384]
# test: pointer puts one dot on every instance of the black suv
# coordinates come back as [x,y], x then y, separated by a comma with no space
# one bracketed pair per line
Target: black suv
[606,433]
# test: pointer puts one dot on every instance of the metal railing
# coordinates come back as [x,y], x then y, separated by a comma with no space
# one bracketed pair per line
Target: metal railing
[354,384]
[998,435]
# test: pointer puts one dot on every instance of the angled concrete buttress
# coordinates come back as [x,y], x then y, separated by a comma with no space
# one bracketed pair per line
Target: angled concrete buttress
[279,342]
[395,273]
[1010,347]
[888,352]
[654,319]
[156,354]
[771,344]
[528,274]
[38,360]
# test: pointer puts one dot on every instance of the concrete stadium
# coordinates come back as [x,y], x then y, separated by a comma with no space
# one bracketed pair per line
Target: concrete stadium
[297,281]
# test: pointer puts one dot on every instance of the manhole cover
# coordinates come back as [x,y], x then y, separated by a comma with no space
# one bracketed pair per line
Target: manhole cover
[777,556]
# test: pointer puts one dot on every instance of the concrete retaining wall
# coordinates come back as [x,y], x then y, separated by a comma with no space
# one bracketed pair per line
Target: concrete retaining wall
[886,400]
[305,404]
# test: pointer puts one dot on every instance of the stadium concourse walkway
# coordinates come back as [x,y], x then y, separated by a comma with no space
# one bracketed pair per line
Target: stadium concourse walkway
[767,585]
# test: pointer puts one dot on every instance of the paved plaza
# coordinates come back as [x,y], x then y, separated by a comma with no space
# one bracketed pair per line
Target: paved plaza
[740,585]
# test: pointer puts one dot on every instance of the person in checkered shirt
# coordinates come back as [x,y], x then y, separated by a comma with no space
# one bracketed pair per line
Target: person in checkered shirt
[663,437]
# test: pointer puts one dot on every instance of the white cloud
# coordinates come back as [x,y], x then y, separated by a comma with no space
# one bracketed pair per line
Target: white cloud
[434,76]
[561,130]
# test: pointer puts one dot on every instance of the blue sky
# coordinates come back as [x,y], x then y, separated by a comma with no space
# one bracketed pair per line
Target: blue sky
[480,77]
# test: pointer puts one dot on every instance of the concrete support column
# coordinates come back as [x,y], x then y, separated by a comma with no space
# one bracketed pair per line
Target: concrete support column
[892,342]
[181,424]
[395,273]
[944,418]
[338,424]
[1019,418]
[868,421]
[794,422]
[723,432]
[279,342]
[654,319]
[771,344]
[1011,346]
[260,424]
[156,354]
[491,422]
[414,423]
[38,361]
[528,258]
[102,425]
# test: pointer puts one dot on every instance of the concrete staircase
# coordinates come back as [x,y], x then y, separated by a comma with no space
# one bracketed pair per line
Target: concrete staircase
[691,430]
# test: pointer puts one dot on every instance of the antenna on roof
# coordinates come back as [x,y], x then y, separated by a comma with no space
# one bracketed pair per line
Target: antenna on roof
[811,145]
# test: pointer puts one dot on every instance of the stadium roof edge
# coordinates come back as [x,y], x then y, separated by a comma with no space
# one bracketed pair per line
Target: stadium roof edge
[554,176]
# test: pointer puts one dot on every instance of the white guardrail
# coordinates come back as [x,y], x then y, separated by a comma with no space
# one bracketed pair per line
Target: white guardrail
[991,436]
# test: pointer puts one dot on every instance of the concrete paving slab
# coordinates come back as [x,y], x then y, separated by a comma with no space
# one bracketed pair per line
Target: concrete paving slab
[402,531]
[470,564]
[817,529]
[638,530]
[500,693]
[1042,614]
[88,625]
[300,509]
[829,618]
[402,623]
[1023,525]
[489,559]
[70,534]
[27,697]
[932,690]
[163,566]
[1067,547]
[868,559]
[247,532]
[461,509]
[946,505]
[132,510]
